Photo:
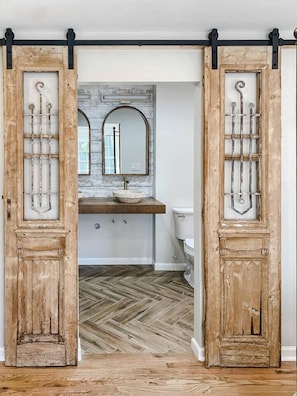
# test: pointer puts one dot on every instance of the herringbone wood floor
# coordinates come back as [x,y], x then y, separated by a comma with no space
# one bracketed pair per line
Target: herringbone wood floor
[132,308]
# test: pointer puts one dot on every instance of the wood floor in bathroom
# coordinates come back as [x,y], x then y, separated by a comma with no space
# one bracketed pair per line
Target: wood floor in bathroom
[132,309]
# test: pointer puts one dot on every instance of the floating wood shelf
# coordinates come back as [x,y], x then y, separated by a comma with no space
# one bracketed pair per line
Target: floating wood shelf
[110,205]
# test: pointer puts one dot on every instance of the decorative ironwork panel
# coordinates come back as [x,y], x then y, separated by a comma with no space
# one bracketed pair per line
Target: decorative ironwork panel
[242,184]
[41,146]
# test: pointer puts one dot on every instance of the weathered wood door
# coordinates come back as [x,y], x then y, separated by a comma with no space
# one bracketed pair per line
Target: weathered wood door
[41,209]
[242,208]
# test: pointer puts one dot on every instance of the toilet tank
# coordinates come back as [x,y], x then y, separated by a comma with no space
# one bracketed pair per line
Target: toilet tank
[184,222]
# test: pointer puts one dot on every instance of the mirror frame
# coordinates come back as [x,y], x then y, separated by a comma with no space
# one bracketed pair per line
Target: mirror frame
[89,125]
[146,141]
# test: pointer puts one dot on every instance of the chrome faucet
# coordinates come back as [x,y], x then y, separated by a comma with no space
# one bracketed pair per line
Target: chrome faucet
[126,182]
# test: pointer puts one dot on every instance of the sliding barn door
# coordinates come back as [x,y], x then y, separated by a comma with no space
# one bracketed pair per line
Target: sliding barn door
[40,208]
[242,208]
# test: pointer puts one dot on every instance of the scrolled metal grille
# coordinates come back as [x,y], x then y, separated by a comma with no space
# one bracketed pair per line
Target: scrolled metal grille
[242,155]
[41,153]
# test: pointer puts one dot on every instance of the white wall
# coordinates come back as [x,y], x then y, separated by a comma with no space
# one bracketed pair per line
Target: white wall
[288,308]
[174,171]
[115,239]
[138,65]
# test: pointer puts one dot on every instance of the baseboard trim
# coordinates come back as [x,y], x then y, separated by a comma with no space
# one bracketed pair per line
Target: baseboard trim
[169,266]
[115,261]
[288,354]
[2,354]
[132,261]
[79,350]
[197,350]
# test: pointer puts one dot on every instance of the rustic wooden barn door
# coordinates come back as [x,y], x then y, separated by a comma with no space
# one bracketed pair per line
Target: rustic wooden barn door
[242,208]
[40,208]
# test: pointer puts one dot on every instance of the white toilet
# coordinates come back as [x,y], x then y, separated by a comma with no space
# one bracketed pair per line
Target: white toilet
[184,230]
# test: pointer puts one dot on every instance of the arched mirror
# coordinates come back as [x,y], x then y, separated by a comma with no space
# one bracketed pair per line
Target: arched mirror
[83,133]
[125,142]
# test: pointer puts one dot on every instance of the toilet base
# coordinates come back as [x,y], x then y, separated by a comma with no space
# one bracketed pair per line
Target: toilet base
[189,276]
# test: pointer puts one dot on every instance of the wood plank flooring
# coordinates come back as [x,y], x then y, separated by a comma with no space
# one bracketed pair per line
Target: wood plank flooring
[132,309]
[116,372]
[145,374]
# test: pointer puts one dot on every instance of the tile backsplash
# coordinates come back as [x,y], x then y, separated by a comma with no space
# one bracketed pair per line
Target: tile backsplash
[90,102]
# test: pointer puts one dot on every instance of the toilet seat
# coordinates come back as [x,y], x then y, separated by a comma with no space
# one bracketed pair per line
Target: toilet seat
[189,246]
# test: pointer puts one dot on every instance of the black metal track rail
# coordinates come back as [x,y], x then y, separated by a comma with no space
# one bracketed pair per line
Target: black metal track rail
[274,40]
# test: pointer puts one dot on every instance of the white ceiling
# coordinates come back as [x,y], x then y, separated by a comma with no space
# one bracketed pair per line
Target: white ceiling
[144,19]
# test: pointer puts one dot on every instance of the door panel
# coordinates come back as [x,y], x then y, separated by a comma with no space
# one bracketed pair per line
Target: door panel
[41,318]
[242,209]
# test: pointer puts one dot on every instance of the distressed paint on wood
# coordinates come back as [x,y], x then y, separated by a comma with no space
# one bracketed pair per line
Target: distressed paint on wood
[242,279]
[242,258]
[41,289]
[38,305]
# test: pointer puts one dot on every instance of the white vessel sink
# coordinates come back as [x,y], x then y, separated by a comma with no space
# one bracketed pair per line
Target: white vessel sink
[128,196]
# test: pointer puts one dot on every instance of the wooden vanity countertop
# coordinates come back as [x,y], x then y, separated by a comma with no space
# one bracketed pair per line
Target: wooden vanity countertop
[94,205]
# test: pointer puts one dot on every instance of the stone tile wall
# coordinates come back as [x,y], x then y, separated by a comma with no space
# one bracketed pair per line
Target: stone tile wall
[90,102]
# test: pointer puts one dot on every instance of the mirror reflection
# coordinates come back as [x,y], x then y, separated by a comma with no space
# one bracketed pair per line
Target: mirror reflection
[83,132]
[125,142]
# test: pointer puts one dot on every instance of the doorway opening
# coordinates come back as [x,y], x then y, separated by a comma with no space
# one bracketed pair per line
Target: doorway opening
[97,280]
